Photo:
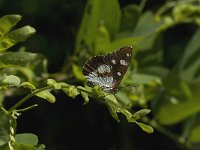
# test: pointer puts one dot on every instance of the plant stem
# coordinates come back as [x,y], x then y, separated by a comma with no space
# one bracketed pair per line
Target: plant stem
[29,96]
[4,110]
[27,108]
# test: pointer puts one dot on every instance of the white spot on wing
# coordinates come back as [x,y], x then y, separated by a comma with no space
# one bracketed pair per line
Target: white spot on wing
[119,73]
[103,68]
[123,62]
[113,61]
[128,54]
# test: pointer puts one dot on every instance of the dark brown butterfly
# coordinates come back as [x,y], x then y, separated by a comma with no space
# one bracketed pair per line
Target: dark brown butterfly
[107,71]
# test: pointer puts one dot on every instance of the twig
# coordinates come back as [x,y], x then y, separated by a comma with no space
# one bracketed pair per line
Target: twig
[29,96]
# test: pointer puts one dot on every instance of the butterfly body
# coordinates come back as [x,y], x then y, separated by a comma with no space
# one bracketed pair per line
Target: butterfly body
[107,71]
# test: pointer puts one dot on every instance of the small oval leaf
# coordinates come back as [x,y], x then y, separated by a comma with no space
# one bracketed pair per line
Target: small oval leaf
[85,97]
[145,127]
[46,95]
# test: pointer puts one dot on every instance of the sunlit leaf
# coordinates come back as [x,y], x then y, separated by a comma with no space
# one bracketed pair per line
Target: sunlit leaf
[146,25]
[145,127]
[16,36]
[24,147]
[7,22]
[102,40]
[26,138]
[194,135]
[183,11]
[10,80]
[40,147]
[72,91]
[28,85]
[142,112]
[55,84]
[98,12]
[47,95]
[2,97]
[85,97]
[77,71]
[112,111]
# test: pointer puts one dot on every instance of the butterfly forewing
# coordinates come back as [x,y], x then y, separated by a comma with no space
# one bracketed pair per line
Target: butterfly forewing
[108,71]
[119,60]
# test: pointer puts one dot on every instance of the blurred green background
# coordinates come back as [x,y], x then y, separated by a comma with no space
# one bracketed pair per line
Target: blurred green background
[165,36]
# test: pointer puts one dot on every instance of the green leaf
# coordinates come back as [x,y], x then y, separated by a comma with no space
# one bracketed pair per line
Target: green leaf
[64,85]
[182,102]
[72,91]
[26,138]
[46,95]
[112,111]
[2,97]
[97,90]
[189,66]
[114,107]
[40,147]
[10,80]
[145,127]
[14,59]
[85,97]
[24,147]
[130,17]
[77,72]
[182,12]
[16,36]
[28,85]
[173,113]
[55,84]
[139,78]
[158,71]
[30,66]
[123,97]
[194,136]
[146,25]
[102,40]
[4,127]
[142,113]
[7,22]
[98,12]
[177,87]
[129,41]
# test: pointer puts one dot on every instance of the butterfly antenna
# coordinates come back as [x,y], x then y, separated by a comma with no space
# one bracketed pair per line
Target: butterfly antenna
[129,85]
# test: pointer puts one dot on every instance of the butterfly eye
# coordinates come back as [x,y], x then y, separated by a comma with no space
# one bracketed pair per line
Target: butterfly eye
[107,71]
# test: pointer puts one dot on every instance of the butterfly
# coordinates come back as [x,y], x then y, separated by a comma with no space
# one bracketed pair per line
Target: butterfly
[107,71]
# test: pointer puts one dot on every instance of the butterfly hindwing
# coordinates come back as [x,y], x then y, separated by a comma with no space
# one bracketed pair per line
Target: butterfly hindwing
[97,72]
